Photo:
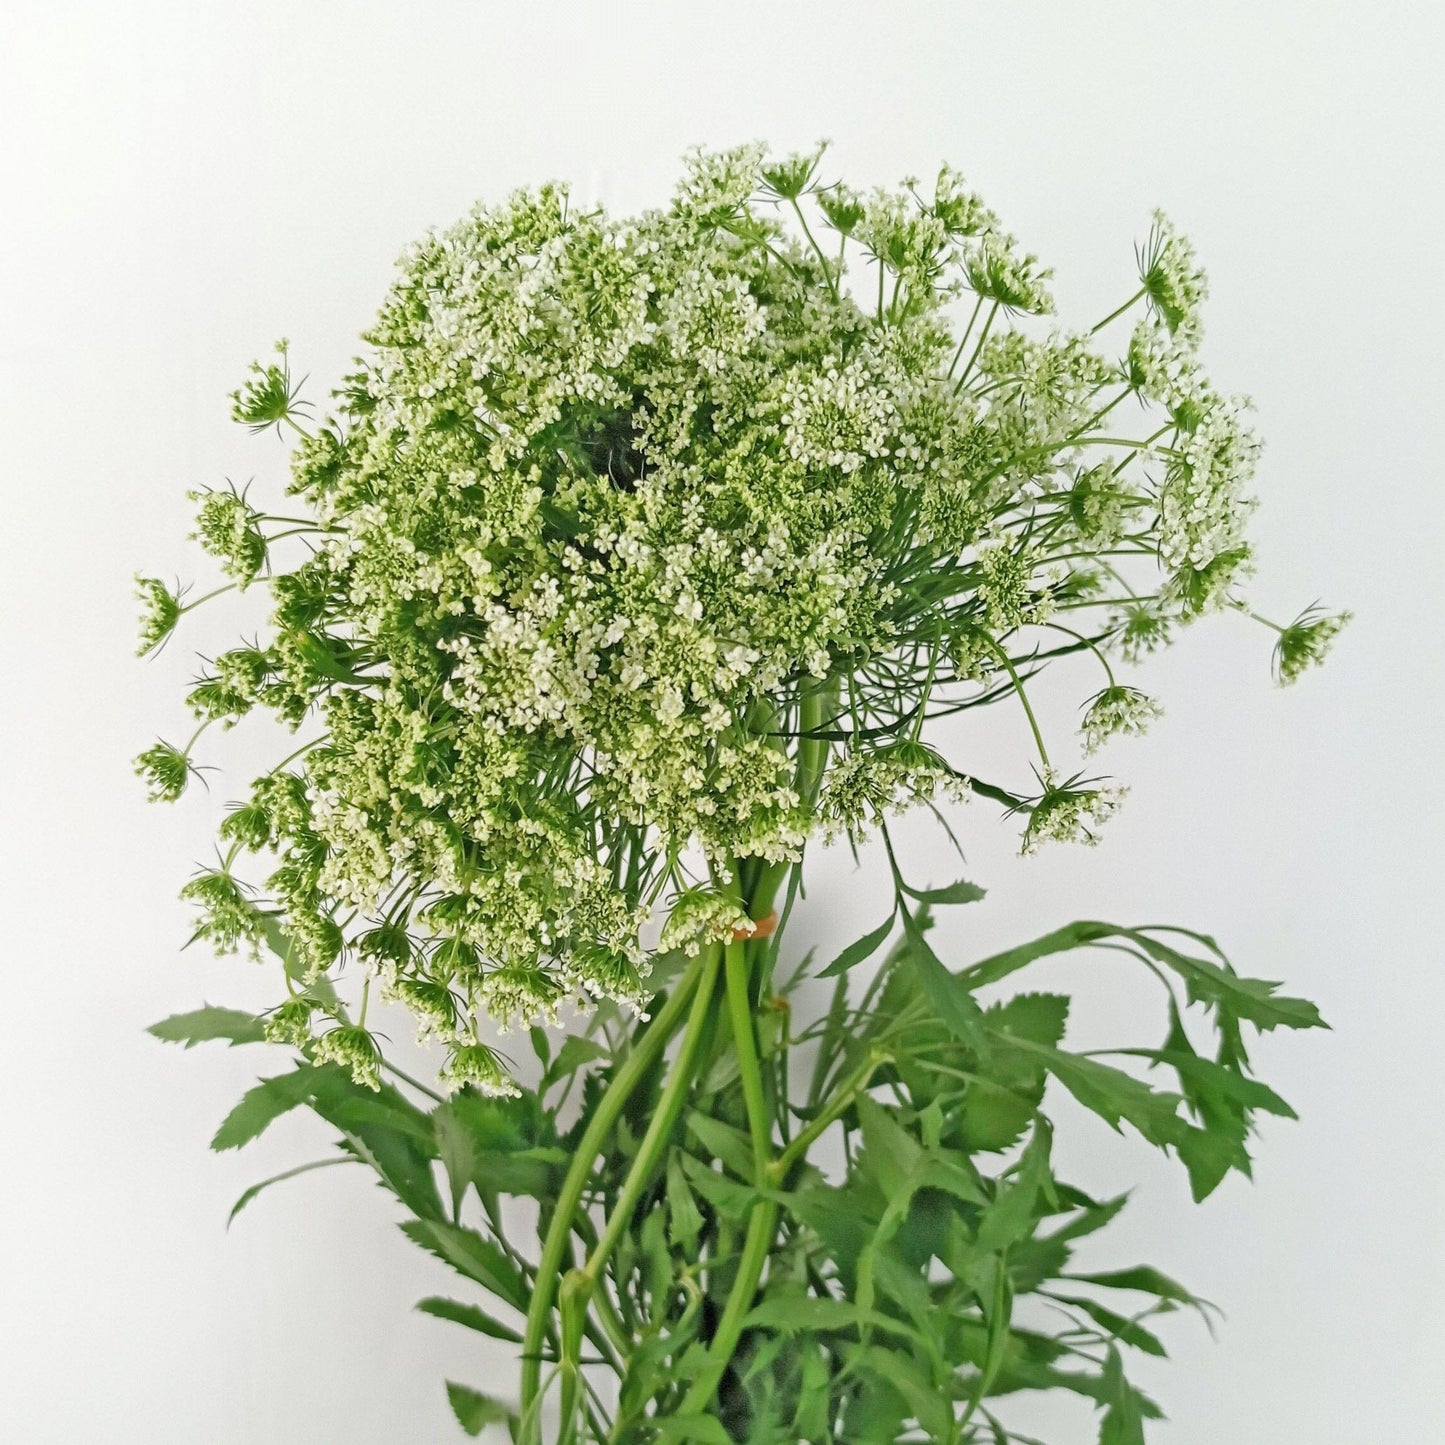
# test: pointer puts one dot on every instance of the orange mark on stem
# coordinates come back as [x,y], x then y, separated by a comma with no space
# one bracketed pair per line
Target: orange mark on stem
[762,927]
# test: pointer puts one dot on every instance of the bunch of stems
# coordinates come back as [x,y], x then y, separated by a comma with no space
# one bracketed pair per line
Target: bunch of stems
[725,980]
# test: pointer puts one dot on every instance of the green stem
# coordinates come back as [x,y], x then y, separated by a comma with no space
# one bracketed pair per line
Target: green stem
[579,1287]
[1118,311]
[634,1068]
[818,250]
[1023,697]
[973,355]
[756,1247]
[763,1219]
[664,1116]
[830,1114]
[229,587]
[740,1012]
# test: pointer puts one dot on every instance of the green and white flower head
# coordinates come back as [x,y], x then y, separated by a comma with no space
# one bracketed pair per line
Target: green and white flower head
[1305,642]
[431,1003]
[290,1023]
[477,1066]
[1172,278]
[1100,506]
[229,917]
[998,271]
[659,538]
[167,771]
[1117,712]
[869,784]
[703,915]
[355,1050]
[227,527]
[1069,811]
[161,612]
[1143,626]
[268,397]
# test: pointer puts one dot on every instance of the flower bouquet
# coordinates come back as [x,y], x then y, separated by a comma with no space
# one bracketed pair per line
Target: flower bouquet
[637,559]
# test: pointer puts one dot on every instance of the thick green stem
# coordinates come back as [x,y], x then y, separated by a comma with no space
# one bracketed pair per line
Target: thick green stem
[634,1068]
[664,1117]
[763,1218]
[578,1289]
[756,1247]
[740,1013]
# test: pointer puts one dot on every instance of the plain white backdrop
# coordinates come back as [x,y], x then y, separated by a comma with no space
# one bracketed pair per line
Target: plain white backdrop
[180,184]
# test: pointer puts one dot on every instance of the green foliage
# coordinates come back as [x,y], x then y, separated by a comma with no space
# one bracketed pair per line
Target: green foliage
[932,1273]
[204,1024]
[475,1411]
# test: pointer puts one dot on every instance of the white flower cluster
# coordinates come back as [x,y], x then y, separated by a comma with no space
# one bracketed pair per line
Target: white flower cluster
[1069,812]
[1117,712]
[639,538]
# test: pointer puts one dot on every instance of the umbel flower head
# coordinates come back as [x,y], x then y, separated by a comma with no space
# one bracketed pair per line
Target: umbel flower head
[1304,643]
[1117,712]
[643,550]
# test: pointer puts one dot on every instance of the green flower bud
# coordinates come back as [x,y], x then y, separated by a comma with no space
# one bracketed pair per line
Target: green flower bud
[267,398]
[228,916]
[166,770]
[355,1050]
[477,1066]
[162,611]
[1305,642]
[291,1023]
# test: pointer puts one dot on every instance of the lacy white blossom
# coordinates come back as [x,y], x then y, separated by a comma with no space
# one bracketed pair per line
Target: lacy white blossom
[640,541]
[1117,712]
[1070,811]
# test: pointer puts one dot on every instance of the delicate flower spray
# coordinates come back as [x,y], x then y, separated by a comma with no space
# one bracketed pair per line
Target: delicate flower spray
[636,556]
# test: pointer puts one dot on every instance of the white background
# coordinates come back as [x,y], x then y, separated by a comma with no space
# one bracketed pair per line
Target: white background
[181,184]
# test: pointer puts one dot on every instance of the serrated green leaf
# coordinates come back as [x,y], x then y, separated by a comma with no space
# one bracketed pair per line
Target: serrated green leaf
[731,1146]
[457,1150]
[729,1198]
[1111,1093]
[960,892]
[470,1316]
[471,1255]
[386,1131]
[1252,999]
[262,1106]
[475,1411]
[685,1219]
[1209,1155]
[997,1110]
[1146,1280]
[209,1023]
[950,996]
[1011,1215]
[817,1313]
[860,949]
[1130,1332]
[891,1153]
[1123,1422]
[576,1052]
